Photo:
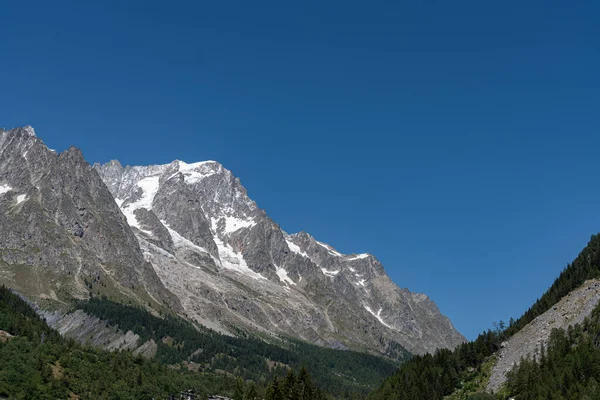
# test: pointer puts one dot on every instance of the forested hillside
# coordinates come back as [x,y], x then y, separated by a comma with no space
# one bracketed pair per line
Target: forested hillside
[568,368]
[434,376]
[340,372]
[37,363]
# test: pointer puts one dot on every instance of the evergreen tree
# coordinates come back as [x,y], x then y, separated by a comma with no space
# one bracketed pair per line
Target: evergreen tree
[290,387]
[238,394]
[251,393]
[274,391]
[306,390]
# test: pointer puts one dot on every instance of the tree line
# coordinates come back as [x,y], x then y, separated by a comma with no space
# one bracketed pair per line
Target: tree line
[433,376]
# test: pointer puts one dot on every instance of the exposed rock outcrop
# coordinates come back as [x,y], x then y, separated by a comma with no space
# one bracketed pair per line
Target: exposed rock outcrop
[63,236]
[230,264]
[570,310]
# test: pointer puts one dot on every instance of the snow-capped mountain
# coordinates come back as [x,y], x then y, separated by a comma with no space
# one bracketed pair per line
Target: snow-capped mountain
[230,265]
[187,237]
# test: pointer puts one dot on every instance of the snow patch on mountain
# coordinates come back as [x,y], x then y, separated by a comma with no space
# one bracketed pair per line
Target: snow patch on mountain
[233,224]
[29,130]
[283,276]
[295,248]
[234,261]
[5,189]
[179,241]
[21,198]
[378,316]
[227,231]
[329,272]
[195,172]
[149,187]
[330,249]
[358,257]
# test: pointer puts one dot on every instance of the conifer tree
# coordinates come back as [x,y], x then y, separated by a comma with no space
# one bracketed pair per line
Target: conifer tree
[251,393]
[290,388]
[274,391]
[306,389]
[238,394]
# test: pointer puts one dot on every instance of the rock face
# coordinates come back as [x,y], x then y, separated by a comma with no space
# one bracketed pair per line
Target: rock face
[188,237]
[63,236]
[570,310]
[92,331]
[231,265]
[5,336]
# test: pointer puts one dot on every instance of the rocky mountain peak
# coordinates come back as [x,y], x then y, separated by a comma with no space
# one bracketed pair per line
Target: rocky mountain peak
[26,130]
[190,229]
[201,231]
[58,208]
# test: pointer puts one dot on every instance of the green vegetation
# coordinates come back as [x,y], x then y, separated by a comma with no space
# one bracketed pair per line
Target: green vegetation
[585,266]
[342,373]
[37,363]
[569,368]
[300,387]
[482,396]
[444,373]
[474,381]
[431,377]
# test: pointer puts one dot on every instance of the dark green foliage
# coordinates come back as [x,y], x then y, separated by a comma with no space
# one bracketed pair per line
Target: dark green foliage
[251,393]
[239,390]
[300,387]
[246,356]
[482,396]
[274,390]
[431,377]
[585,266]
[37,363]
[569,368]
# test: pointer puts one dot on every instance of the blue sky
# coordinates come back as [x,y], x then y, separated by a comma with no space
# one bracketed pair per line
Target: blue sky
[456,141]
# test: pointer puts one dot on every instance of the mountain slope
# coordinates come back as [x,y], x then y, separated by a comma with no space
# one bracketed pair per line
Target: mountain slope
[528,342]
[484,364]
[142,234]
[62,234]
[230,264]
[37,363]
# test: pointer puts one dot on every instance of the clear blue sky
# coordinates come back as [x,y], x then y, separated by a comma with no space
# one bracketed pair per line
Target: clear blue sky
[458,141]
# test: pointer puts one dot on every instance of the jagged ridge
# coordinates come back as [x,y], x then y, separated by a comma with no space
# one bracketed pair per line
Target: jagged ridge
[230,263]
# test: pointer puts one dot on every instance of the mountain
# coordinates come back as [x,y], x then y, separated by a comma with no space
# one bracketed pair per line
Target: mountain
[231,265]
[571,310]
[187,239]
[63,236]
[551,351]
[38,363]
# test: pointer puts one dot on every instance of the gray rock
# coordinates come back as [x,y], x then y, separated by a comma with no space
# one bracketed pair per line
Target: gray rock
[63,235]
[187,236]
[570,310]
[230,264]
[90,330]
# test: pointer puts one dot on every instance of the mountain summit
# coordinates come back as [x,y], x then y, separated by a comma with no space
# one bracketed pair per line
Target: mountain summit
[188,238]
[230,265]
[63,236]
